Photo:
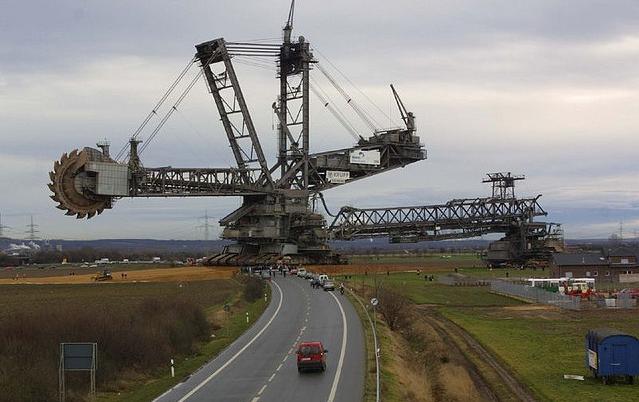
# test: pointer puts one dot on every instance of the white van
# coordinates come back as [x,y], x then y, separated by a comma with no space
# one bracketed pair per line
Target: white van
[301,273]
[323,278]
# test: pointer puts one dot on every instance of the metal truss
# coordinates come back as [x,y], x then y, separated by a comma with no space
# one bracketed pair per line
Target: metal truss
[234,114]
[185,182]
[456,219]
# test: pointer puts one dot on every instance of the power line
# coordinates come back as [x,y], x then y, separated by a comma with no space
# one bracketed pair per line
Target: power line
[32,230]
[206,225]
[2,227]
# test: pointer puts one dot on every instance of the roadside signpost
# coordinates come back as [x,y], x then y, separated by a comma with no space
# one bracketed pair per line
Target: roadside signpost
[374,303]
[77,356]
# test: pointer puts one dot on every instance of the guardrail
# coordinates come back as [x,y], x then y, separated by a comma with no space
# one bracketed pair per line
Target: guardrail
[373,327]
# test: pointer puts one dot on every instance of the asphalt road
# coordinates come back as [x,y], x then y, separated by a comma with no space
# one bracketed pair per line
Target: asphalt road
[260,366]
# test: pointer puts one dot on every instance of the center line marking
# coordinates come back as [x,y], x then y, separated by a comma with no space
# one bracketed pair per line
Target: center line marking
[271,379]
[262,390]
[239,352]
[279,367]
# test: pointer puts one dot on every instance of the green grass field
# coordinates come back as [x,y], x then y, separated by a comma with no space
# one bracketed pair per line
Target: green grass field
[421,291]
[466,259]
[543,345]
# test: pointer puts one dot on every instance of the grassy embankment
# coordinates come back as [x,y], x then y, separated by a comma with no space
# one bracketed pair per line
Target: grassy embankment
[538,343]
[138,327]
[388,379]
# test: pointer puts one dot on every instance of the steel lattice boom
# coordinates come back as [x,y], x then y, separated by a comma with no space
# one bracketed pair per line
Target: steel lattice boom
[456,219]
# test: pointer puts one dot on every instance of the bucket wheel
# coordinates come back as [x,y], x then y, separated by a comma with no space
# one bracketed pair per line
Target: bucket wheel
[71,185]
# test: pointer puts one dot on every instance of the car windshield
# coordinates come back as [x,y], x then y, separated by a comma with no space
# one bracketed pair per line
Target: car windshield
[328,283]
[309,350]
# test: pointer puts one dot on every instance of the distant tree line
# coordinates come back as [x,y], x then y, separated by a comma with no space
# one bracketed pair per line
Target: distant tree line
[88,254]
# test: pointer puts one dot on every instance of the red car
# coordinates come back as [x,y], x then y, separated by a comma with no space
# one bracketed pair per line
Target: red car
[311,355]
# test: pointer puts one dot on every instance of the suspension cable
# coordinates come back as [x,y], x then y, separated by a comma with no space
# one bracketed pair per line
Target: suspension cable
[171,110]
[338,115]
[355,86]
[368,121]
[157,106]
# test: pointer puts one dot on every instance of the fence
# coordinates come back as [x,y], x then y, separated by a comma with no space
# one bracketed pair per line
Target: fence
[453,280]
[625,300]
[536,294]
[622,301]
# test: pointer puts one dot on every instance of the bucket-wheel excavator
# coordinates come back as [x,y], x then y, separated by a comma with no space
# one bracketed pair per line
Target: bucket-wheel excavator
[276,217]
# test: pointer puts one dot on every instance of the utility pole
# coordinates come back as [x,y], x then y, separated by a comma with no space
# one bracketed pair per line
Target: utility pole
[206,225]
[32,230]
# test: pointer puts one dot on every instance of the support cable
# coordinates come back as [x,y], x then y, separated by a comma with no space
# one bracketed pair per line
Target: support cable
[157,106]
[338,115]
[171,110]
[355,86]
[368,121]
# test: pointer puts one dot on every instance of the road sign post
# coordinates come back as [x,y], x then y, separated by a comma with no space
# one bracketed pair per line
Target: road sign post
[77,356]
[374,303]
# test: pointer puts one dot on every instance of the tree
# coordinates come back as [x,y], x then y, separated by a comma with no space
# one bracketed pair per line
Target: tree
[392,306]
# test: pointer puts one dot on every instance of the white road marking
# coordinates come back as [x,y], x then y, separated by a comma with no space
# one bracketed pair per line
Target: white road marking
[262,390]
[239,352]
[257,398]
[280,366]
[272,376]
[340,363]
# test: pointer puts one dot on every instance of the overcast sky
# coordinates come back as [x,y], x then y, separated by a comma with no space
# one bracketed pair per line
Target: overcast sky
[549,89]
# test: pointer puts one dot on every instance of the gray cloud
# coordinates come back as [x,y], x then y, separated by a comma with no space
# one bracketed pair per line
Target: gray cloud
[545,88]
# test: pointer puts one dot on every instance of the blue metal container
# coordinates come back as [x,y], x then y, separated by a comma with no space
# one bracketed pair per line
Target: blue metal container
[611,353]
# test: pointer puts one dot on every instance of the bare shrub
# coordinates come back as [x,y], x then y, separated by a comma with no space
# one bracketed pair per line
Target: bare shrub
[129,338]
[392,306]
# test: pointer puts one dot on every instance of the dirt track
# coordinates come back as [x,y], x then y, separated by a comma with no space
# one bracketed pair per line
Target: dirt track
[183,274]
[464,344]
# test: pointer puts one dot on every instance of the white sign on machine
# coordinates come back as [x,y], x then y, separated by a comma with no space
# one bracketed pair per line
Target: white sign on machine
[336,176]
[363,157]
